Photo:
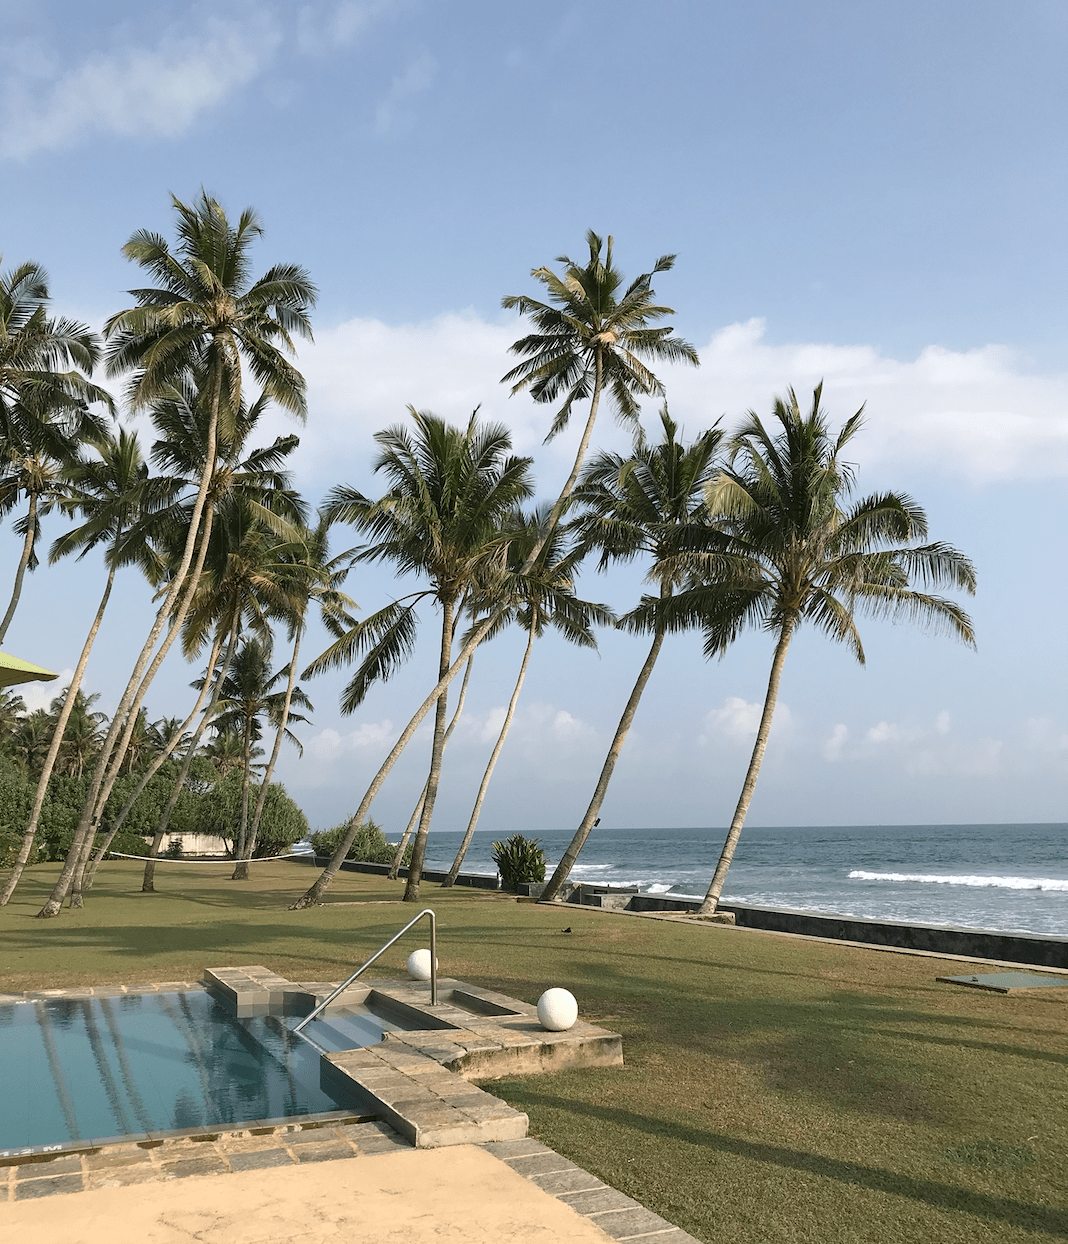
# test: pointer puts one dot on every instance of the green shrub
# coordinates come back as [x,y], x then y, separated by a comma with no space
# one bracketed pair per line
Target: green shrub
[369,845]
[519,860]
[282,822]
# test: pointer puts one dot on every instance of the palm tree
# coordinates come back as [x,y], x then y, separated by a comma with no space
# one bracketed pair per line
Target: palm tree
[590,339]
[634,507]
[417,811]
[234,572]
[12,711]
[34,460]
[203,319]
[315,576]
[444,519]
[32,349]
[802,551]
[247,696]
[248,581]
[587,338]
[226,751]
[544,597]
[117,497]
[44,412]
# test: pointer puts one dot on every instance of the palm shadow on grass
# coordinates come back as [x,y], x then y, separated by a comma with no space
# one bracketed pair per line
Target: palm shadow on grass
[936,1195]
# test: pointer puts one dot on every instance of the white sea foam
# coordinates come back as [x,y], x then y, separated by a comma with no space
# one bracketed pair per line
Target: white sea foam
[968,879]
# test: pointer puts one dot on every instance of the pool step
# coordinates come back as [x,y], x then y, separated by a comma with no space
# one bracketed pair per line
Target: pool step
[347,1032]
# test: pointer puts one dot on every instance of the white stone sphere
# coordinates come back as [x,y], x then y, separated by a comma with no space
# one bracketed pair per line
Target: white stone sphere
[557,1010]
[419,965]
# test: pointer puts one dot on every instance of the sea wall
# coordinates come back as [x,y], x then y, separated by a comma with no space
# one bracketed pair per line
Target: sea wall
[1035,949]
[478,881]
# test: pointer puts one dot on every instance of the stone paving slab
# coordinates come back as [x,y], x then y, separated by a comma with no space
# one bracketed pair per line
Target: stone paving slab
[619,1216]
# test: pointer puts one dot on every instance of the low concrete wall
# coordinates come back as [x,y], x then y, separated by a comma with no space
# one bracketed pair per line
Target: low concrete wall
[478,881]
[1036,949]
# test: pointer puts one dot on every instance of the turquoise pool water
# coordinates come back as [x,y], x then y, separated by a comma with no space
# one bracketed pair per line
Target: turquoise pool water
[94,1068]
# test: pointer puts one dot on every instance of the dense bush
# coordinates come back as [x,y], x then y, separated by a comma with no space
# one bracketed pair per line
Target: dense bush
[519,860]
[369,845]
[282,823]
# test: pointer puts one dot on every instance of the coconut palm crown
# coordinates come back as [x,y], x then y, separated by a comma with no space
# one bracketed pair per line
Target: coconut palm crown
[594,334]
[788,546]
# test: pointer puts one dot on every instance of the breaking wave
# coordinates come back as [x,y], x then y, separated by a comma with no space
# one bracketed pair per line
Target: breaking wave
[967,879]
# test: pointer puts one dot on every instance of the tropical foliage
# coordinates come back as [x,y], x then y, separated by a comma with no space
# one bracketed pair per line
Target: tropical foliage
[756,529]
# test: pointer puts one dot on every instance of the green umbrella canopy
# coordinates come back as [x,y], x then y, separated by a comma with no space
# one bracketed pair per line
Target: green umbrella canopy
[13,671]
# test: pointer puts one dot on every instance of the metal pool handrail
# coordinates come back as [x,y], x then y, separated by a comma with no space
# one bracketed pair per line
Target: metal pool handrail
[381,950]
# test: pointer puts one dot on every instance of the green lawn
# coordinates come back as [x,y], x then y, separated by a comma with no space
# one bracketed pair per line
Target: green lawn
[775,1089]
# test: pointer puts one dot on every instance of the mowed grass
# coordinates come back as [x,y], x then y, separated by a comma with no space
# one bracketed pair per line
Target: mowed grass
[775,1089]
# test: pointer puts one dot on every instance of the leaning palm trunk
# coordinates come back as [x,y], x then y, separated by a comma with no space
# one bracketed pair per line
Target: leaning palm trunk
[477,809]
[437,750]
[148,881]
[114,767]
[398,859]
[240,872]
[318,887]
[567,860]
[24,561]
[158,762]
[57,741]
[87,823]
[715,889]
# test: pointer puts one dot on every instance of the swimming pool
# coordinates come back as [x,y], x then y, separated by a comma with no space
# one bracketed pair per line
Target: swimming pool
[91,1068]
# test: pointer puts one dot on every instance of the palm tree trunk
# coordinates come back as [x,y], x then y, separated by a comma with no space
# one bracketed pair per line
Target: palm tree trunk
[87,824]
[113,768]
[398,859]
[148,882]
[57,740]
[567,860]
[318,887]
[240,872]
[477,809]
[708,907]
[24,561]
[415,869]
[159,761]
[246,778]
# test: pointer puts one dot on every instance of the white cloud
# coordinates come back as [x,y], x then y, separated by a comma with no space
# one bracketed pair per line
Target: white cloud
[738,720]
[153,91]
[976,413]
[972,416]
[330,745]
[1043,734]
[832,748]
[37,695]
[321,29]
[393,112]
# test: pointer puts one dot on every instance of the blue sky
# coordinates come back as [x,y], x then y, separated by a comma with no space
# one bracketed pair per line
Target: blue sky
[870,194]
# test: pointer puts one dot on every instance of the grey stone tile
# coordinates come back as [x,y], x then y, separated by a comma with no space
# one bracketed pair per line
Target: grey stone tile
[311,1136]
[597,1200]
[515,1148]
[323,1153]
[625,1224]
[541,1164]
[202,1164]
[384,1144]
[57,1166]
[107,1158]
[675,1236]
[259,1159]
[576,1180]
[122,1176]
[47,1187]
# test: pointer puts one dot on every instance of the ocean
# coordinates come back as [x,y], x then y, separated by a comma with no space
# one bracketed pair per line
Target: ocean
[1002,877]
